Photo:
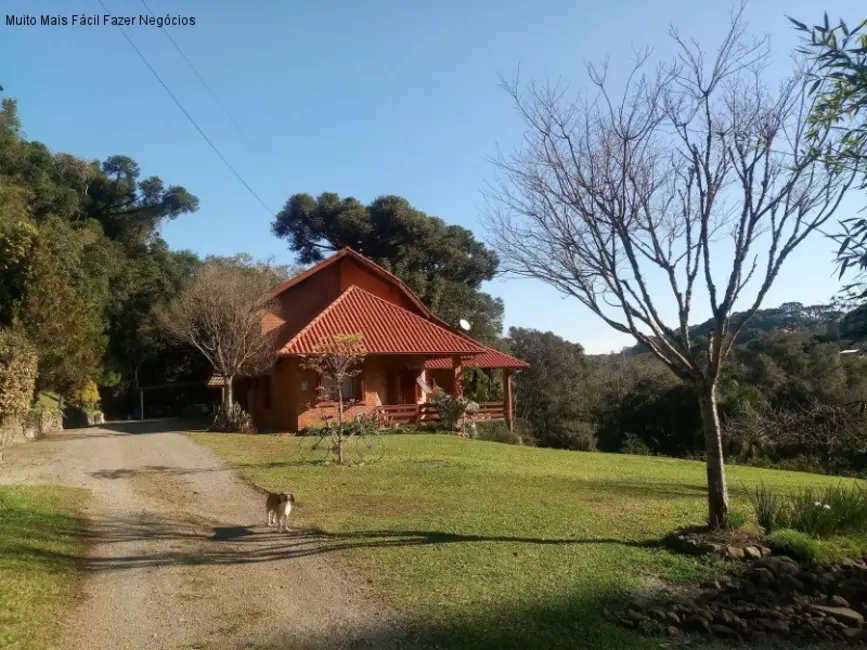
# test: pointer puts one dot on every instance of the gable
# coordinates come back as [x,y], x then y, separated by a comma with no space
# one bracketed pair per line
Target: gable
[361,275]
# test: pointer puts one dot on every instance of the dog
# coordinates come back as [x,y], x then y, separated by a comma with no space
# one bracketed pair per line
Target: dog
[278,507]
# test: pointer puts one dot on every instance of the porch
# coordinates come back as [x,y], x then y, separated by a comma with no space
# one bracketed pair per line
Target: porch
[291,398]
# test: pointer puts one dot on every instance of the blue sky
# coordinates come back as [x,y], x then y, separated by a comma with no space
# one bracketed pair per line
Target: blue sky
[358,98]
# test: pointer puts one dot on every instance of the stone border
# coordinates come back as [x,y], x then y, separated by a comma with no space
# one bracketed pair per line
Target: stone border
[690,542]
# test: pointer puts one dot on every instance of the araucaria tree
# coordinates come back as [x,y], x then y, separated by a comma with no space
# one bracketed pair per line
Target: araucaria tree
[219,312]
[336,360]
[695,182]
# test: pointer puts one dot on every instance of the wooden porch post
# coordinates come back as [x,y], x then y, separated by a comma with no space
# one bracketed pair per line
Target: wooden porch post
[507,398]
[458,377]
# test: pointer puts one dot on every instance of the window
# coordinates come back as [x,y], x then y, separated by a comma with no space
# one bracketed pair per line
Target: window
[266,391]
[351,389]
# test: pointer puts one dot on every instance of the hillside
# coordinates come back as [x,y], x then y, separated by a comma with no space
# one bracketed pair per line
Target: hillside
[818,320]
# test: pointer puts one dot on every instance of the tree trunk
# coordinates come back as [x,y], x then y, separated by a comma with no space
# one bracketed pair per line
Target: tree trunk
[340,422]
[230,396]
[717,491]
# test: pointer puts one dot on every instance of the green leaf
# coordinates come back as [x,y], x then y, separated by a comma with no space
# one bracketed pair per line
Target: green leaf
[843,246]
[801,26]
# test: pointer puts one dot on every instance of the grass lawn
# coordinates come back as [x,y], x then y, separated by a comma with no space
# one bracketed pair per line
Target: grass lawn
[495,546]
[39,532]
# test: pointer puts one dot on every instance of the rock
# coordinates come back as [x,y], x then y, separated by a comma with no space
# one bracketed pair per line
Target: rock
[782,565]
[634,616]
[758,636]
[697,623]
[657,615]
[762,576]
[838,601]
[725,581]
[635,606]
[752,553]
[672,618]
[713,583]
[770,625]
[853,634]
[734,552]
[853,590]
[723,631]
[765,551]
[844,615]
[672,631]
[790,583]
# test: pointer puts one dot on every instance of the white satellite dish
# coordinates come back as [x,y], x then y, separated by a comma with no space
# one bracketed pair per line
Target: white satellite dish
[423,385]
[464,325]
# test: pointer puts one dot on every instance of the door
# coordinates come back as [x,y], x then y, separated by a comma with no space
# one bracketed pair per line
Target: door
[402,387]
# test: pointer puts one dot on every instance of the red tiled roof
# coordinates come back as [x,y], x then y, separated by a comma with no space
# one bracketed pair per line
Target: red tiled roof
[488,359]
[387,329]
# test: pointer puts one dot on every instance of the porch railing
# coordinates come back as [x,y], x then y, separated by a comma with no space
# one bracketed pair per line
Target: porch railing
[418,413]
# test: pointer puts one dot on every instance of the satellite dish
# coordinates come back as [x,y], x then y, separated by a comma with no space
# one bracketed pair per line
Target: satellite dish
[423,385]
[464,325]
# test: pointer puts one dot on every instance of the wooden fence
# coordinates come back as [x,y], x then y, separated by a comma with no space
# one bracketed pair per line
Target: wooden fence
[422,413]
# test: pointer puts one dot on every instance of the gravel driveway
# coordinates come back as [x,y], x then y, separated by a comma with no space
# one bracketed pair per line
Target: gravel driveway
[180,557]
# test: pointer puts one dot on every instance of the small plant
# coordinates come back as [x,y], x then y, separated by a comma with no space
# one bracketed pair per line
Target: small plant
[634,445]
[233,419]
[496,432]
[769,507]
[452,410]
[737,519]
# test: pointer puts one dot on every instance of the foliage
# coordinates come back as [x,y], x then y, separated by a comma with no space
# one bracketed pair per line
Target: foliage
[810,549]
[496,432]
[17,374]
[452,409]
[768,506]
[634,445]
[219,313]
[232,418]
[81,255]
[88,396]
[443,264]
[821,513]
[556,391]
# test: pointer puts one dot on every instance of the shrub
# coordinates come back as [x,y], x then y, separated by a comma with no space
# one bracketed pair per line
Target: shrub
[496,432]
[634,445]
[233,419]
[452,409]
[769,507]
[87,397]
[834,510]
[17,374]
[580,435]
[737,519]
[803,547]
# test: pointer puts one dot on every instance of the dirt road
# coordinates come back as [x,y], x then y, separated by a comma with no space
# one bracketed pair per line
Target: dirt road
[180,556]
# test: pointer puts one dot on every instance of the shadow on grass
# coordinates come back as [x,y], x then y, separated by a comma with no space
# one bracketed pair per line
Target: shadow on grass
[570,622]
[213,543]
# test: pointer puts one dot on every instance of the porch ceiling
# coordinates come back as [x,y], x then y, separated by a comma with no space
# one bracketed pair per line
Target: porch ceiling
[387,329]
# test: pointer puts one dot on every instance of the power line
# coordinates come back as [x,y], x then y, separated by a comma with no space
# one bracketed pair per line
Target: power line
[212,93]
[189,117]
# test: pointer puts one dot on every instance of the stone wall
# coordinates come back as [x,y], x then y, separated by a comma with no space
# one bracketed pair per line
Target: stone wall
[30,427]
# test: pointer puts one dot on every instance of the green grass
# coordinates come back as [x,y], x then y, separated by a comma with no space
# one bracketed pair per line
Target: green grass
[496,546]
[40,535]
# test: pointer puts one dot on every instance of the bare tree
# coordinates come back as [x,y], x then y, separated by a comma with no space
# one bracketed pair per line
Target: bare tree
[694,178]
[220,313]
[337,359]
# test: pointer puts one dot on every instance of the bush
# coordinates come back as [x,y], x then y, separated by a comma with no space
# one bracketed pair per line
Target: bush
[803,547]
[496,432]
[232,419]
[769,507]
[834,510]
[634,445]
[737,519]
[17,374]
[452,409]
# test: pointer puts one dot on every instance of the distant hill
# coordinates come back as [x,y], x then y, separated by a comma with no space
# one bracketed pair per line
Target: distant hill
[822,321]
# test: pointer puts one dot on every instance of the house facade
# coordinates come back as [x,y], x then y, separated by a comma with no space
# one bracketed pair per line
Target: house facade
[406,347]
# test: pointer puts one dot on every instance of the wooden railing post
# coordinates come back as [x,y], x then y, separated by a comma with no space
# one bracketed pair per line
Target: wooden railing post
[507,398]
